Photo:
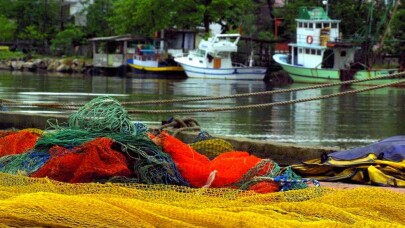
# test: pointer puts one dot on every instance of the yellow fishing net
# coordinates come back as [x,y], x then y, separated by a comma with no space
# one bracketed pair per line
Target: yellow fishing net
[42,202]
[212,147]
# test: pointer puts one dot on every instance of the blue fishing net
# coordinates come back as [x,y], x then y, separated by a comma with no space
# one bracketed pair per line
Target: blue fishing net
[25,164]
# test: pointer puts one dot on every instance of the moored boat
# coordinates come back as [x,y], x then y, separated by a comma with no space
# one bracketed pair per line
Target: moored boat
[319,55]
[212,59]
[147,59]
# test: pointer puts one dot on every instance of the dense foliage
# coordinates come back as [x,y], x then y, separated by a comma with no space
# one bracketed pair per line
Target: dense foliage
[34,19]
[48,22]
[145,17]
[98,14]
[7,28]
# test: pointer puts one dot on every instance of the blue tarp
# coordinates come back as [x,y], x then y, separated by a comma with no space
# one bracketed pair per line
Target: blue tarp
[392,149]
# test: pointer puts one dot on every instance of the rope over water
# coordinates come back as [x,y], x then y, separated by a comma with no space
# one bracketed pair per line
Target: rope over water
[73,106]
[267,104]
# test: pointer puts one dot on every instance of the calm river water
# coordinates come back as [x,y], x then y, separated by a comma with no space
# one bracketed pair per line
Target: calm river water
[345,121]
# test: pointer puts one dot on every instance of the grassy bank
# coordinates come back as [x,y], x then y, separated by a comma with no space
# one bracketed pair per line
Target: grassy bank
[6,54]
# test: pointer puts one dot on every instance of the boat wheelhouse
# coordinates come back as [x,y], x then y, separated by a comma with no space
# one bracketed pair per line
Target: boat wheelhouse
[319,54]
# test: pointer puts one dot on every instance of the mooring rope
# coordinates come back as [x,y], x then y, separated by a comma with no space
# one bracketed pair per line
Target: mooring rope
[267,104]
[73,106]
[264,92]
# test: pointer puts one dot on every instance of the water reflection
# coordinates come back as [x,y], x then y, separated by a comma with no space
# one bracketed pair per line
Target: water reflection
[344,121]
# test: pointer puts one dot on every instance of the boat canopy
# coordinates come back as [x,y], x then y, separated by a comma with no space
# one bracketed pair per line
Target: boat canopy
[314,13]
[220,43]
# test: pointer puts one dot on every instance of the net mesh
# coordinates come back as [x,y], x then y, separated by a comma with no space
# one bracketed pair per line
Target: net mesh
[18,142]
[105,117]
[93,160]
[43,202]
[210,146]
[103,170]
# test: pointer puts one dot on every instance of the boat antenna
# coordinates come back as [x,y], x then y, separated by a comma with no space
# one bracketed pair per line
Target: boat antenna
[251,59]
[325,2]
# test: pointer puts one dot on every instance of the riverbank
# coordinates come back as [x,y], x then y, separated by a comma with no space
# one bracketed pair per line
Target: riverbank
[61,65]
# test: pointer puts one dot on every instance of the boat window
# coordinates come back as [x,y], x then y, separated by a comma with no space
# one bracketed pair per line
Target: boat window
[328,59]
[310,25]
[300,50]
[306,51]
[318,52]
[313,51]
[200,53]
[305,25]
[318,25]
[326,25]
[343,53]
[334,25]
[299,24]
[222,54]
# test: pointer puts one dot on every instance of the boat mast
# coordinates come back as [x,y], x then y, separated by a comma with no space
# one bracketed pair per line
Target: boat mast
[326,3]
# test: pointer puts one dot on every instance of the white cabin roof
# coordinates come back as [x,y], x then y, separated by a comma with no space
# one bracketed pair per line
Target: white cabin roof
[220,43]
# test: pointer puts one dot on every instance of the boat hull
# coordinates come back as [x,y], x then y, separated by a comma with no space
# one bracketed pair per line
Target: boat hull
[316,75]
[153,66]
[236,73]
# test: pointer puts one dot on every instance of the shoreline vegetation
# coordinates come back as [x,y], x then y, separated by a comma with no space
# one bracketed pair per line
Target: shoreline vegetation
[17,61]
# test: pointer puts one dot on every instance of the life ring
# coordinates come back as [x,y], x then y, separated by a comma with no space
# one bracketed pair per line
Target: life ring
[310,39]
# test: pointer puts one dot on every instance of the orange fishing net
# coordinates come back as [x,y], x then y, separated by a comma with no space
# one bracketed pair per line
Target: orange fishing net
[18,142]
[232,166]
[4,133]
[224,170]
[91,161]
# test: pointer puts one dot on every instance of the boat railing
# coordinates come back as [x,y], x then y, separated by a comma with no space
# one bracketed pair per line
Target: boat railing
[232,38]
[235,64]
[341,43]
[178,55]
[197,52]
[143,57]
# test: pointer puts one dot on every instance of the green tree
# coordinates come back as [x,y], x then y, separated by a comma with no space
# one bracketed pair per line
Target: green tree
[65,40]
[394,42]
[7,28]
[32,33]
[97,17]
[144,17]
[289,13]
[32,20]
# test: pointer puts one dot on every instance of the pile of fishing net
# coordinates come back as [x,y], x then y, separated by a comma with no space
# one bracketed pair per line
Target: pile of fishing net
[101,144]
[102,170]
[41,202]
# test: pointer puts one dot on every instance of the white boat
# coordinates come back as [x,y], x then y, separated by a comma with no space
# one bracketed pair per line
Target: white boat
[212,59]
[319,55]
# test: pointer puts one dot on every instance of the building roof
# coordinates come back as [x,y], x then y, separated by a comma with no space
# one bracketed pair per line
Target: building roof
[126,37]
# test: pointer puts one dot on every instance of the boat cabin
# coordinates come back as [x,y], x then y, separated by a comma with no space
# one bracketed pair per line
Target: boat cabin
[215,52]
[318,42]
